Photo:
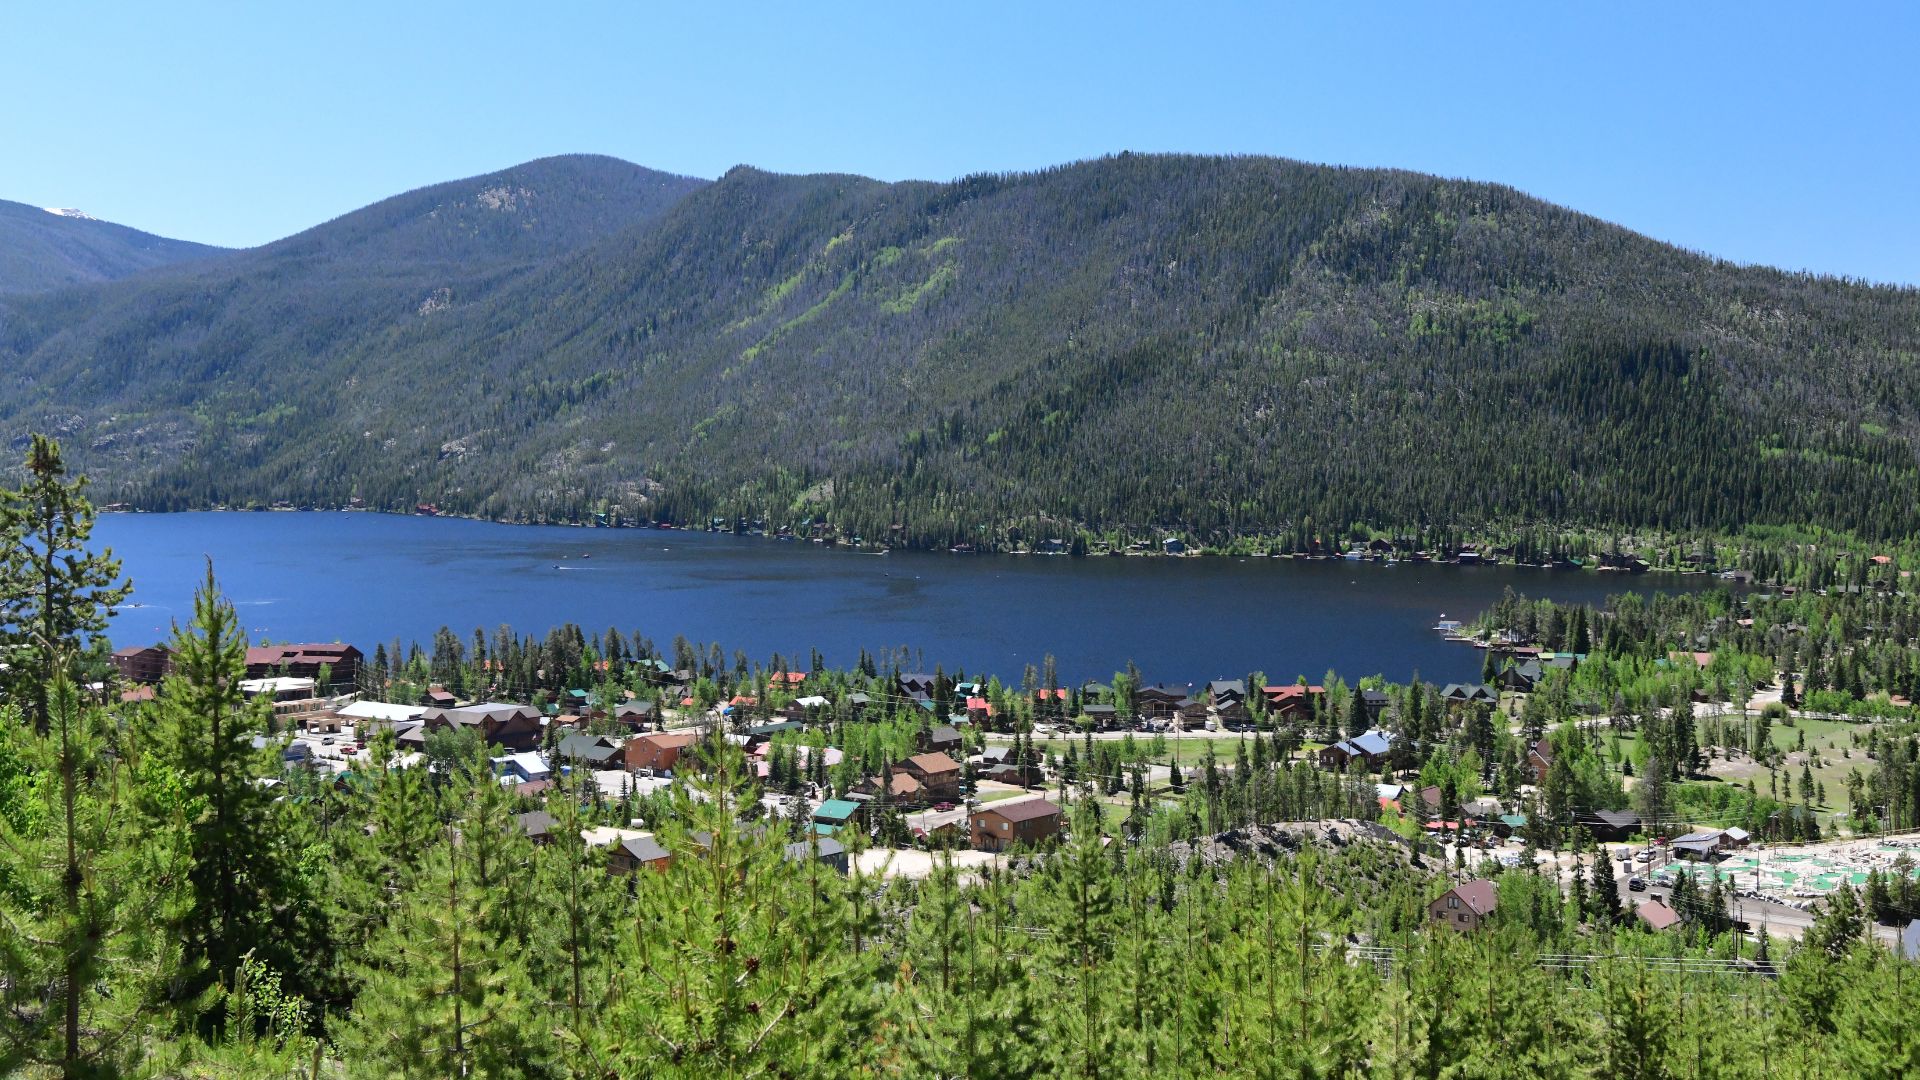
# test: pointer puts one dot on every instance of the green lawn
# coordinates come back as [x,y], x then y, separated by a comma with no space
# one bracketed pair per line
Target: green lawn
[1831,740]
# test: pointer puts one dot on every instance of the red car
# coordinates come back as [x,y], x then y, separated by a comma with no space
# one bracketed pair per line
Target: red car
[943,807]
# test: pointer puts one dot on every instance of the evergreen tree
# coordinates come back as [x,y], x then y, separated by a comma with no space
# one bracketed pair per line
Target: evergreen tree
[201,741]
[85,960]
[54,593]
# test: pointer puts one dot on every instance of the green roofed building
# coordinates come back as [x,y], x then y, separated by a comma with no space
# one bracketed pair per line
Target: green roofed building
[836,812]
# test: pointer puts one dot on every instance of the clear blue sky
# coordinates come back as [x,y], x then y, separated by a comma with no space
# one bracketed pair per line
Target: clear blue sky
[1778,133]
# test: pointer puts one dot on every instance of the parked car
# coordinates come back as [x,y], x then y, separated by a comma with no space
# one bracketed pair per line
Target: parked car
[943,807]
[1643,856]
[1636,884]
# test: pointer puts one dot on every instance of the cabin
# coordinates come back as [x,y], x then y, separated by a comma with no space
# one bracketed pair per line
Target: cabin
[146,664]
[1160,701]
[937,773]
[1293,699]
[835,813]
[1465,907]
[638,713]
[589,751]
[1656,915]
[659,752]
[1000,826]
[1612,826]
[1461,695]
[944,739]
[1369,750]
[515,727]
[1539,760]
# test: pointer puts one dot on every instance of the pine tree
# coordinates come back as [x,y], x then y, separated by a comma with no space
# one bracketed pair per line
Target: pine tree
[442,994]
[201,741]
[84,958]
[54,593]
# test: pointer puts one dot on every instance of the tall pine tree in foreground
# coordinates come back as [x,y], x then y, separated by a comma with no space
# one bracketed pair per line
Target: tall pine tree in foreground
[201,762]
[85,959]
[55,594]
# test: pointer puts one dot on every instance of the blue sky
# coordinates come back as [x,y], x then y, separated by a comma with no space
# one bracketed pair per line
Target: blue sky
[1785,134]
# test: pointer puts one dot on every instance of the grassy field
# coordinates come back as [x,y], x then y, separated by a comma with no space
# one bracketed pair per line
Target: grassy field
[1829,740]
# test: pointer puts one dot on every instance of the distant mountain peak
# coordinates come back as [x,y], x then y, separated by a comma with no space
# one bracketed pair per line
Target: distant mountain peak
[69,212]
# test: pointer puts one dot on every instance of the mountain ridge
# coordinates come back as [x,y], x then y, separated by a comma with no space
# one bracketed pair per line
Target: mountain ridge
[1208,345]
[45,248]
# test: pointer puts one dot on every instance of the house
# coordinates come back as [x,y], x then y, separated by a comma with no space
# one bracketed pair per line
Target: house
[1227,691]
[659,751]
[589,751]
[1292,699]
[305,661]
[1539,760]
[439,697]
[1374,704]
[1507,825]
[1465,907]
[1611,826]
[1102,716]
[1910,940]
[638,713]
[1656,915]
[901,787]
[1520,678]
[1460,695]
[1000,826]
[538,825]
[633,851]
[823,849]
[1160,701]
[937,773]
[524,768]
[835,813]
[979,710]
[944,739]
[916,684]
[1370,750]
[516,727]
[143,664]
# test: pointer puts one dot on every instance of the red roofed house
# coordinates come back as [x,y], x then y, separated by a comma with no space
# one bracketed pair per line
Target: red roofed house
[999,826]
[787,678]
[1291,698]
[1465,907]
[1656,915]
[659,751]
[979,709]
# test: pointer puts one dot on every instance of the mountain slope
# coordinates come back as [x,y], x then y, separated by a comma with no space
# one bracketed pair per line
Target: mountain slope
[1205,344]
[41,249]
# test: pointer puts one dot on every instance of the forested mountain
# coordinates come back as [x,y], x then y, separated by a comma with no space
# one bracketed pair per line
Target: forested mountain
[1212,345]
[47,249]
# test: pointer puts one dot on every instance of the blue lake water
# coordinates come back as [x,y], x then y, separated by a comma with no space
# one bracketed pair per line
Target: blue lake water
[370,578]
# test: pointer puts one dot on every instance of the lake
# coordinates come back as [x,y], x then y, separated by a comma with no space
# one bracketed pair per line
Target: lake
[370,578]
